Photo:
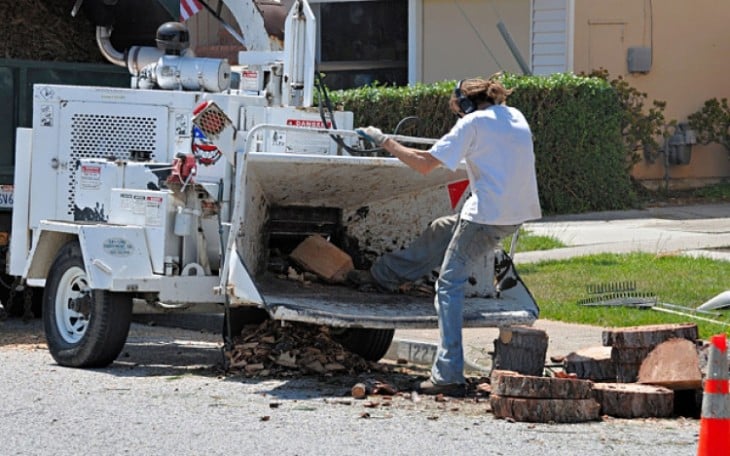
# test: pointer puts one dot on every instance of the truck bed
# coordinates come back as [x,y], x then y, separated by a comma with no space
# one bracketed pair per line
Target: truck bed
[341,306]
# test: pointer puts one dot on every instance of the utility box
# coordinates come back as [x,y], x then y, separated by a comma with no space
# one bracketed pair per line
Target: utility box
[639,59]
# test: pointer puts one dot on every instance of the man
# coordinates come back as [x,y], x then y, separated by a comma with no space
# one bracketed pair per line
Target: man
[495,142]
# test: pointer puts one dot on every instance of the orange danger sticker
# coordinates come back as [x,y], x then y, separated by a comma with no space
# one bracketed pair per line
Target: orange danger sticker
[307,123]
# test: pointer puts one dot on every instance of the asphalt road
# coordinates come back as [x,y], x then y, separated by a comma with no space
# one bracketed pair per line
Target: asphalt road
[167,395]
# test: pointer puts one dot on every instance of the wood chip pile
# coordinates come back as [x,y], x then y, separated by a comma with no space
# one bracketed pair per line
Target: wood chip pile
[292,350]
[45,30]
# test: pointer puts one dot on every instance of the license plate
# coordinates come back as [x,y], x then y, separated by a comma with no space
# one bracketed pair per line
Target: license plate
[6,196]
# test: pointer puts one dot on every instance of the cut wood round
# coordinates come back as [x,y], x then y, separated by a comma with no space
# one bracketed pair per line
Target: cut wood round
[629,355]
[592,363]
[521,349]
[627,372]
[542,387]
[359,391]
[649,335]
[674,364]
[544,410]
[632,400]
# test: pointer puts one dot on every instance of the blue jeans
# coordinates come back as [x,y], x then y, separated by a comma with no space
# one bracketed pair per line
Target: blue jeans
[450,243]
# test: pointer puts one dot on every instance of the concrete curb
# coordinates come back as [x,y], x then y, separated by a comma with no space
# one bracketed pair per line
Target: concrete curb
[424,353]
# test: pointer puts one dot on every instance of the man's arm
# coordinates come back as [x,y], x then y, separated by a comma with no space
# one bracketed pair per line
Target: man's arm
[419,160]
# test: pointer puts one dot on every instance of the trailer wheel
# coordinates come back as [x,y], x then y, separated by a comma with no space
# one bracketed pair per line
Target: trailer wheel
[372,344]
[84,327]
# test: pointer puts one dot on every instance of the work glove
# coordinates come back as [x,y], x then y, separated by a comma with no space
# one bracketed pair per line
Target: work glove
[372,134]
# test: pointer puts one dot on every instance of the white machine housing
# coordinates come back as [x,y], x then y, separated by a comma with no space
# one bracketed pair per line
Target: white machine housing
[201,239]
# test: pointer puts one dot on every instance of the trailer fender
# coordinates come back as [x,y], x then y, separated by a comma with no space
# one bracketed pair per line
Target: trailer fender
[110,252]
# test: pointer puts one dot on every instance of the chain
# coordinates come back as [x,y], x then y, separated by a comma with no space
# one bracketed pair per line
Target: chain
[27,300]
[11,296]
[28,304]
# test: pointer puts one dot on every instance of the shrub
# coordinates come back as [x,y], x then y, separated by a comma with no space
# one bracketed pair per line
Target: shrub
[712,123]
[643,129]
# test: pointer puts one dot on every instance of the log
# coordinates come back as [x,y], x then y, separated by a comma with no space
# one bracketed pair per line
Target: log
[544,410]
[323,258]
[674,364]
[631,400]
[542,387]
[520,349]
[359,391]
[631,345]
[592,363]
[648,335]
[627,372]
[629,355]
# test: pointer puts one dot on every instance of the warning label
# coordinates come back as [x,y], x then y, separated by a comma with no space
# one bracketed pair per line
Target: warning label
[153,214]
[90,177]
[307,123]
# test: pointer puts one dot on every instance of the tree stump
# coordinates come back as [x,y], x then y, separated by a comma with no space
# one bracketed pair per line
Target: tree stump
[545,410]
[520,349]
[623,400]
[542,387]
[674,364]
[648,335]
[631,345]
[542,399]
[592,363]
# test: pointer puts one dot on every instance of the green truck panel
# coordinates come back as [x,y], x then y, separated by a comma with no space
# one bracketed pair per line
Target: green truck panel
[17,78]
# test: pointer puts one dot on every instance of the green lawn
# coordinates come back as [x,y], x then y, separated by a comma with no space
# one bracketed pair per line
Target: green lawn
[558,286]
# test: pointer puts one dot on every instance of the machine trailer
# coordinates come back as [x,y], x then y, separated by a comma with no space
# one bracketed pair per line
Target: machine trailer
[178,194]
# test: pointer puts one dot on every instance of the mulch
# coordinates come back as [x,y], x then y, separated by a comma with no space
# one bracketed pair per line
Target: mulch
[45,30]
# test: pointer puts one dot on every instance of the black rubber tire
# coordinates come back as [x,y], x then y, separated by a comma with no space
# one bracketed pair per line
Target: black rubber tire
[371,344]
[243,316]
[95,341]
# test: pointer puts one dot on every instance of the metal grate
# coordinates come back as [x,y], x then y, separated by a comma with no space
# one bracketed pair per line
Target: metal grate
[105,136]
[211,120]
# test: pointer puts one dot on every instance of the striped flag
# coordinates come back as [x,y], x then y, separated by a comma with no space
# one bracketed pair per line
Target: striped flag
[188,9]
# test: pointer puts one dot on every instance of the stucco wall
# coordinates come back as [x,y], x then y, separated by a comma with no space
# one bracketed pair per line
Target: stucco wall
[452,44]
[690,42]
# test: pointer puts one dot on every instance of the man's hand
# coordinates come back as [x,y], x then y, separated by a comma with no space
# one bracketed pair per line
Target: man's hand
[372,134]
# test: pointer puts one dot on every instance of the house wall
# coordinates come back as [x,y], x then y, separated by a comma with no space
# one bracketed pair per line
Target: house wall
[690,45]
[461,39]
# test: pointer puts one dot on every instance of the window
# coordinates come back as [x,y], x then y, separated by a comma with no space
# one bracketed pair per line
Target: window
[361,42]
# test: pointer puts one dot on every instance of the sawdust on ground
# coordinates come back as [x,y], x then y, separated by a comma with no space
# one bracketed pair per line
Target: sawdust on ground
[22,335]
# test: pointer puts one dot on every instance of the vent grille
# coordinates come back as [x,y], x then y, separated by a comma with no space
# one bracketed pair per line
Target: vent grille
[104,136]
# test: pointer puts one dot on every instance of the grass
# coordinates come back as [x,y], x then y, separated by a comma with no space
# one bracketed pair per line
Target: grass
[527,242]
[558,286]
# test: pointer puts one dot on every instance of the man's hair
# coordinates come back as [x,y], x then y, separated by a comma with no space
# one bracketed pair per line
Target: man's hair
[479,90]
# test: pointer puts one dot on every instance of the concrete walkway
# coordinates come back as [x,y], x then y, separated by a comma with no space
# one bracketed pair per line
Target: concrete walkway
[702,230]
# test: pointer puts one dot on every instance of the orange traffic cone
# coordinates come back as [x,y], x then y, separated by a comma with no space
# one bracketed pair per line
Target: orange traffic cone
[715,419]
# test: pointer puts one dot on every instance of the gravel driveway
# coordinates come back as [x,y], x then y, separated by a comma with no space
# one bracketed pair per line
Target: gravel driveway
[167,395]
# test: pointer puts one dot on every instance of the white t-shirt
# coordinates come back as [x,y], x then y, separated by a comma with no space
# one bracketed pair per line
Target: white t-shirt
[496,145]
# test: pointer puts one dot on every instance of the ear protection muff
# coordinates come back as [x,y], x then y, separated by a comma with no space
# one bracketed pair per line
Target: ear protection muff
[465,104]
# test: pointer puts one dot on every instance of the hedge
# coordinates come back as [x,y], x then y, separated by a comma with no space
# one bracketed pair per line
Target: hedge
[581,160]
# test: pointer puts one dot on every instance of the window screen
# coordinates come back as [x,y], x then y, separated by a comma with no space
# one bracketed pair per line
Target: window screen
[364,42]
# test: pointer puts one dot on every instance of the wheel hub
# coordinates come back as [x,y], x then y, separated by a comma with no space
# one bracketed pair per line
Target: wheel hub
[73,304]
[81,304]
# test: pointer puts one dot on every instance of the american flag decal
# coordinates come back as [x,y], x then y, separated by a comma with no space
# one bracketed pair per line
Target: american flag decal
[188,9]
